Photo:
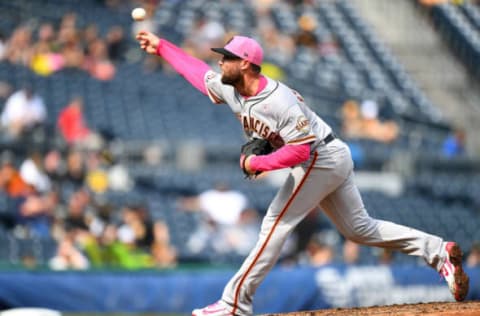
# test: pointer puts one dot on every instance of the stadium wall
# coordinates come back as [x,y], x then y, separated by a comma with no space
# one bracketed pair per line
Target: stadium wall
[179,291]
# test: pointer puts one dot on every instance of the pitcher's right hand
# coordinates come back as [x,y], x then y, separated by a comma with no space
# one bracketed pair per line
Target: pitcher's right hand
[148,41]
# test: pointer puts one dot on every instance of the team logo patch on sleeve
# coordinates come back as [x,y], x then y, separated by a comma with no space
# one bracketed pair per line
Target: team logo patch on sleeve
[211,75]
[303,125]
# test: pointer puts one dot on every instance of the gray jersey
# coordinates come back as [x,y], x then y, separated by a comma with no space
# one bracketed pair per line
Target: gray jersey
[278,113]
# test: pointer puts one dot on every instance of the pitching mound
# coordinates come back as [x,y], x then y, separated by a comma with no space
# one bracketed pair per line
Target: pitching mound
[426,309]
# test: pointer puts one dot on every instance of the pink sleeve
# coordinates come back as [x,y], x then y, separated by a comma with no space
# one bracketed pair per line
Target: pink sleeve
[191,68]
[287,156]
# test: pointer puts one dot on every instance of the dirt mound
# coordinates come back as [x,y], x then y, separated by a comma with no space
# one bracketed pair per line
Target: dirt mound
[470,308]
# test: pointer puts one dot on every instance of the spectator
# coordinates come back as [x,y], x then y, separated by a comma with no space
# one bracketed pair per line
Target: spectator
[116,44]
[70,42]
[362,122]
[305,36]
[76,171]
[68,257]
[351,252]
[89,35]
[23,111]
[72,124]
[206,236]
[454,144]
[163,253]
[97,176]
[18,50]
[119,178]
[109,251]
[137,243]
[137,227]
[221,204]
[473,258]
[351,120]
[241,237]
[10,180]
[32,172]
[385,256]
[35,212]
[385,132]
[47,37]
[307,228]
[237,237]
[206,33]
[279,46]
[71,50]
[45,57]
[97,62]
[77,217]
[80,221]
[69,47]
[319,251]
[69,21]
[54,166]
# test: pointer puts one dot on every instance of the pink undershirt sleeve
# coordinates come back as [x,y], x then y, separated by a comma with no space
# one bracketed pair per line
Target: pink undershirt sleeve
[194,70]
[287,156]
[191,68]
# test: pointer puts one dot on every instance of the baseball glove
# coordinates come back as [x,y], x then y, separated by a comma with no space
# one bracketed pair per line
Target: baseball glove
[256,147]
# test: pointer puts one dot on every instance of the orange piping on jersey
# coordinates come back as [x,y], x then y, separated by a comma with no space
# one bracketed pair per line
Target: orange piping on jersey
[284,210]
[296,141]
[214,97]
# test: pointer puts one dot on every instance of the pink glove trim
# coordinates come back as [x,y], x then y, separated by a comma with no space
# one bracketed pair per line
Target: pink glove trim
[287,156]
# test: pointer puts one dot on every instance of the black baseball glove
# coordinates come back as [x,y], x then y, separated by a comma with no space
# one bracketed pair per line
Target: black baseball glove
[256,147]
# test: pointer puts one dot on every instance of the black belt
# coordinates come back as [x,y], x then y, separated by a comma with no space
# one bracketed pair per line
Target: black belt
[328,139]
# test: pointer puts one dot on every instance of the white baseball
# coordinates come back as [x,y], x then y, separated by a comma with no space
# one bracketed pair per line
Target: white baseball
[138,14]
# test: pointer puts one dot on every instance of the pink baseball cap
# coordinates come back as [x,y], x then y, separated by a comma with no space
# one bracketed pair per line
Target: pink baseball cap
[244,48]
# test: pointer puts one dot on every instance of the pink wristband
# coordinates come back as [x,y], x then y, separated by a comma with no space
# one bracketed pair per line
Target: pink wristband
[287,156]
[158,48]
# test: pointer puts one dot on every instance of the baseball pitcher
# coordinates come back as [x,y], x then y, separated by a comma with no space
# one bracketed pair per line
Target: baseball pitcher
[321,170]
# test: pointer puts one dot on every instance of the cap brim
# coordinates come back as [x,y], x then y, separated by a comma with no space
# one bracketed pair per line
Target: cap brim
[224,52]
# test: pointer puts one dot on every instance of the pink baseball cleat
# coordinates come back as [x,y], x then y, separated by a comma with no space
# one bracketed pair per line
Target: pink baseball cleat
[453,273]
[216,309]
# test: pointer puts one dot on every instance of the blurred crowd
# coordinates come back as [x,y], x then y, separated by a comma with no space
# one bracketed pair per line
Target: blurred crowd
[47,48]
[59,192]
[363,121]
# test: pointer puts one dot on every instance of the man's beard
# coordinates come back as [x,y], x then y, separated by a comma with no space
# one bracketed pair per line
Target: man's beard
[232,79]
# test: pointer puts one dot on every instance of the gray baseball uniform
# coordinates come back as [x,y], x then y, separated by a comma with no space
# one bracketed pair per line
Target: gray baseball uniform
[280,115]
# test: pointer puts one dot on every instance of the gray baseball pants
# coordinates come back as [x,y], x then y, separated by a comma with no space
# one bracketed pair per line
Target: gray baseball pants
[326,181]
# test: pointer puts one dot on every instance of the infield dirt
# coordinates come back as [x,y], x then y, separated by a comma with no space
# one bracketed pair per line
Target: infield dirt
[469,308]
